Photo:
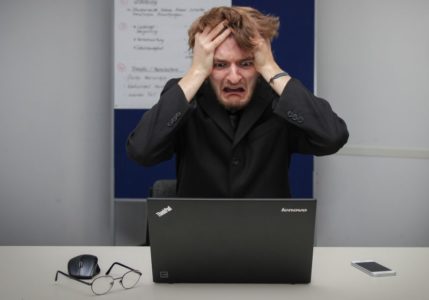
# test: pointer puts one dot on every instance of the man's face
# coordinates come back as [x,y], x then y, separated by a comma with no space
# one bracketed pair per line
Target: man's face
[234,76]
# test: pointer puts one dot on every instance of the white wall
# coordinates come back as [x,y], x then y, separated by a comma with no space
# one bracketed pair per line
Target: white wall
[373,65]
[55,122]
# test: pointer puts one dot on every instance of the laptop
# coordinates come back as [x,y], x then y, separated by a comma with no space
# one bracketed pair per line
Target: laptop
[231,240]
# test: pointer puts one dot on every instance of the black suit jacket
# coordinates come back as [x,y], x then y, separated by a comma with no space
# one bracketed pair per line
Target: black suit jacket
[214,161]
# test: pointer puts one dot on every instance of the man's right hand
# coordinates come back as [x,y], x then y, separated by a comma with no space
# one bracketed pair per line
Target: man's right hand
[205,45]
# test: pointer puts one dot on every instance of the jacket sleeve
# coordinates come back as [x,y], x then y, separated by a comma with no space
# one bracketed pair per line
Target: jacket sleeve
[314,127]
[154,138]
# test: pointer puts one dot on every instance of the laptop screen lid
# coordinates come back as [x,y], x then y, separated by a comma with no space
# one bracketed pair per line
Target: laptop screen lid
[231,240]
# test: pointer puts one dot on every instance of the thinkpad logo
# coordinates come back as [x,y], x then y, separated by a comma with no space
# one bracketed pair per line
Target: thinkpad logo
[164,211]
[294,210]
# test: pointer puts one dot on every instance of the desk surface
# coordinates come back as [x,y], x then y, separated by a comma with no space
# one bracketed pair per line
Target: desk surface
[28,273]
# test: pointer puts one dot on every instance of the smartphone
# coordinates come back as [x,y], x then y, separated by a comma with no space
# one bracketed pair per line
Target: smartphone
[373,268]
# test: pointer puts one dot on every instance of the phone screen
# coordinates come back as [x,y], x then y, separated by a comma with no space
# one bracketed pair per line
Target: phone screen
[372,266]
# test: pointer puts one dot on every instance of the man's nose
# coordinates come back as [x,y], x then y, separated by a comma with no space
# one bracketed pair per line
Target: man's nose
[234,75]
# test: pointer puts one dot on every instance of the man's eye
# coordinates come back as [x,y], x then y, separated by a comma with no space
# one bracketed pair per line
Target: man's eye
[247,63]
[219,65]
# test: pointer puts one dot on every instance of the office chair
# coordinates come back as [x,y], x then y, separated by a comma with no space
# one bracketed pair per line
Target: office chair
[163,188]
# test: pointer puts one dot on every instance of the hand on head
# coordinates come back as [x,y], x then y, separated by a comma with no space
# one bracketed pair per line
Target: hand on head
[206,43]
[263,56]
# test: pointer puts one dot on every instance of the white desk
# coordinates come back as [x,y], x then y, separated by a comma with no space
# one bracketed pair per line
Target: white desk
[28,273]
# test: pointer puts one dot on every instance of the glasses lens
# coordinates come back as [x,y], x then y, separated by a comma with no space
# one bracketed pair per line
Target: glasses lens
[130,279]
[102,285]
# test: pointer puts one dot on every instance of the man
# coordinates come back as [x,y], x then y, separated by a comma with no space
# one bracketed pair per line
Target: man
[234,119]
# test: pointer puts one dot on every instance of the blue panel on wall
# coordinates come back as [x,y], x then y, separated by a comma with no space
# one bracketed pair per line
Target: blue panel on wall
[293,50]
[131,179]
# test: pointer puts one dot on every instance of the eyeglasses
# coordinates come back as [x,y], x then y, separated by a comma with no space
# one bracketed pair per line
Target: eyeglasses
[103,284]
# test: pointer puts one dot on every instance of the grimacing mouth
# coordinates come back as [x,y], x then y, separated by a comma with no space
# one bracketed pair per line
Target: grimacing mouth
[234,89]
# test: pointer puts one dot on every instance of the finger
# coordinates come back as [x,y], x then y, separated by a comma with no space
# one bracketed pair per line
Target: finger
[261,44]
[221,37]
[206,30]
[216,30]
[257,39]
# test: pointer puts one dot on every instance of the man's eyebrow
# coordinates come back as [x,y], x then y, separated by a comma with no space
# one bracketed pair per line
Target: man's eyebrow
[224,60]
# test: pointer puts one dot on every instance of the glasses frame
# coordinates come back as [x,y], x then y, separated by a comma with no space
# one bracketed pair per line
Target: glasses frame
[106,275]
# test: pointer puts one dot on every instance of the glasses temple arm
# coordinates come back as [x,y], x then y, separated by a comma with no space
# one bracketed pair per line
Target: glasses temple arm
[122,265]
[71,277]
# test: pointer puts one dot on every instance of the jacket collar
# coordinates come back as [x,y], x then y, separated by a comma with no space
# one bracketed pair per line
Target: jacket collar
[262,97]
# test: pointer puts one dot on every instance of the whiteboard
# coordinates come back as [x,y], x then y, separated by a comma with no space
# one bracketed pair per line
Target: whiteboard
[151,46]
[373,67]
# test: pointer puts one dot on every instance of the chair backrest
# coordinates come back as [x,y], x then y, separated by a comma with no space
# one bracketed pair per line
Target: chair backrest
[163,188]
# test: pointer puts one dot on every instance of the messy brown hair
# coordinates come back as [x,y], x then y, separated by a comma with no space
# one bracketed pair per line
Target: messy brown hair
[245,23]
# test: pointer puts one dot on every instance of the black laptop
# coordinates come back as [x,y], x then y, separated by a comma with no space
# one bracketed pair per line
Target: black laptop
[231,240]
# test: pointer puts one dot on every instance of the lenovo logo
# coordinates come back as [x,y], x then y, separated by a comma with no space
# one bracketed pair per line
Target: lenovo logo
[294,210]
[164,211]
